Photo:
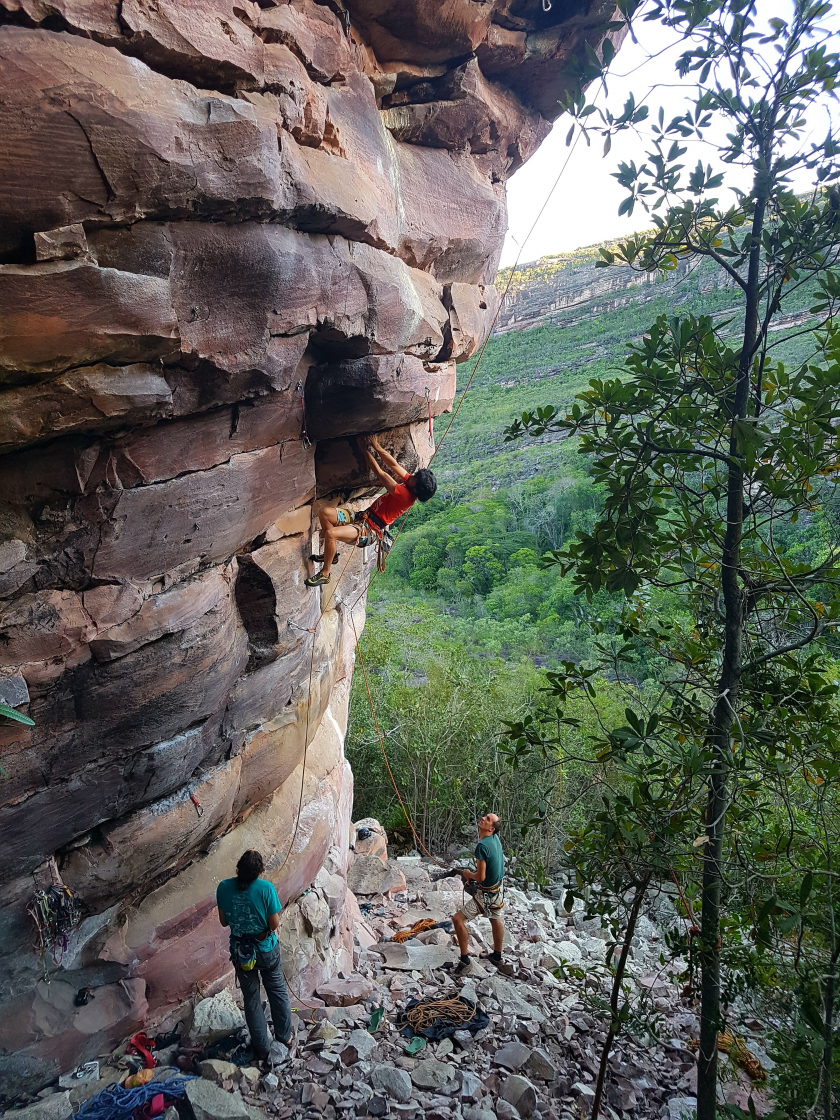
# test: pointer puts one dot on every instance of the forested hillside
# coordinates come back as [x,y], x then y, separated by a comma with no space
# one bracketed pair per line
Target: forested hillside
[464,616]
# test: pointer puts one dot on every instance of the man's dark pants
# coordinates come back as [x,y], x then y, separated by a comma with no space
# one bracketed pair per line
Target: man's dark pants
[269,969]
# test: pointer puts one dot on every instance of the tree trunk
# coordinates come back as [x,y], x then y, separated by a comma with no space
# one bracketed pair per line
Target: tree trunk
[828,1036]
[638,899]
[729,681]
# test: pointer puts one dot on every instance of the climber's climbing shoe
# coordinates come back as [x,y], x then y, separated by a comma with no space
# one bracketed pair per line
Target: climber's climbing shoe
[319,558]
[317,581]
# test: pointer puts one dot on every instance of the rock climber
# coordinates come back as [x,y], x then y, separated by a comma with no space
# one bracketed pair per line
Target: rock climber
[487,901]
[250,906]
[340,524]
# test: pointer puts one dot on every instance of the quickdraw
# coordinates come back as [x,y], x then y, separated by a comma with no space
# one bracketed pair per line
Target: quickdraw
[429,406]
[302,629]
[55,912]
[304,435]
[198,807]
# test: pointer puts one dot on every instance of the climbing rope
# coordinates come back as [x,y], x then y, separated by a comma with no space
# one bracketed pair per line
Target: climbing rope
[379,568]
[409,821]
[428,1011]
[121,1104]
[313,630]
[418,927]
[470,380]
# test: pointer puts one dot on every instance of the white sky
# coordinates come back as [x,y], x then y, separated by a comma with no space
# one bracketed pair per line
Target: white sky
[584,207]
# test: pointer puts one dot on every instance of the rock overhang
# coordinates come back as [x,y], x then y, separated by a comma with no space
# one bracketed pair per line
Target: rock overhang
[233,239]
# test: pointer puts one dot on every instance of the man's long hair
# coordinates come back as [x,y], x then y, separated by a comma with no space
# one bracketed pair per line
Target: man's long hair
[249,868]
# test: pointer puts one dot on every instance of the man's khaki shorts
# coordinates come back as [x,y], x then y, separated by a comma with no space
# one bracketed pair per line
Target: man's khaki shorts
[484,906]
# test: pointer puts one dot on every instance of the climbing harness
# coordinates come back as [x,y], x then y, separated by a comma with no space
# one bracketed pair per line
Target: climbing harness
[142,1045]
[243,949]
[55,912]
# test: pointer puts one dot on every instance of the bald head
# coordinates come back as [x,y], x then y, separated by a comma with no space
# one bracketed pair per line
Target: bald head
[488,824]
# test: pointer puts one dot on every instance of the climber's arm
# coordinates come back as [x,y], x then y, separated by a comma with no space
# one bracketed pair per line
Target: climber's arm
[389,460]
[477,876]
[387,481]
[222,917]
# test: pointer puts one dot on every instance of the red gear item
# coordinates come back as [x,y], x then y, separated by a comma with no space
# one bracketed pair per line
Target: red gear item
[141,1044]
[391,506]
[156,1106]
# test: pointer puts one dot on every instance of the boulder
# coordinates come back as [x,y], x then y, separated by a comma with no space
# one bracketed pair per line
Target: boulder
[519,1092]
[55,1107]
[544,909]
[585,1093]
[535,931]
[471,1088]
[360,1046]
[681,1108]
[409,956]
[343,993]
[209,1102]
[431,1074]
[213,1069]
[508,996]
[540,1065]
[215,1018]
[394,1083]
[512,1056]
[369,875]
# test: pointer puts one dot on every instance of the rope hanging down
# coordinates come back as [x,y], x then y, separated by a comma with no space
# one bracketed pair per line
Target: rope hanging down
[470,380]
[373,577]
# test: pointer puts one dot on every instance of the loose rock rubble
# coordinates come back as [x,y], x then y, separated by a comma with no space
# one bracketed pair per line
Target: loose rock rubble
[537,1059]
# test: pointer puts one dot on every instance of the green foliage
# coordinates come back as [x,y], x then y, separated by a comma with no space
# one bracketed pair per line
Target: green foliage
[18,717]
[707,449]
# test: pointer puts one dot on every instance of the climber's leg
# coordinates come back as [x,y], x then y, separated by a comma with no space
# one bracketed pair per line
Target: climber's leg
[249,982]
[271,970]
[331,535]
[334,534]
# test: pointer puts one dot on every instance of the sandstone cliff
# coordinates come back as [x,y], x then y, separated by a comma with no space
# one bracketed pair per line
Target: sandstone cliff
[233,236]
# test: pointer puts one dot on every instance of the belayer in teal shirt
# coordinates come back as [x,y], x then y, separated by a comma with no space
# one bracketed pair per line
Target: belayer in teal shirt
[250,906]
[488,899]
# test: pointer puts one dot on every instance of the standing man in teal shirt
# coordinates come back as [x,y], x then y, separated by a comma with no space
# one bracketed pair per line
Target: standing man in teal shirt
[487,901]
[250,906]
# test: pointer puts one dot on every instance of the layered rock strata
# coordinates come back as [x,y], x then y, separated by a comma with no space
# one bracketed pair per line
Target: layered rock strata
[233,238]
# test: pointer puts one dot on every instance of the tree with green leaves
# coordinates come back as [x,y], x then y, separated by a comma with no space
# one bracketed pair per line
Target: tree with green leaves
[705,447]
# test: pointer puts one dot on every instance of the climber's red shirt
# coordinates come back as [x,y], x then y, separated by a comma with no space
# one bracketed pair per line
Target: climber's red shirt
[391,506]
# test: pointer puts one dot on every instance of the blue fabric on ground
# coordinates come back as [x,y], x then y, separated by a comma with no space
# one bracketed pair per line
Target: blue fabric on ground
[119,1104]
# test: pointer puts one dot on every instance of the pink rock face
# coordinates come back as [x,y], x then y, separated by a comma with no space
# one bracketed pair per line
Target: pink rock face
[234,238]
